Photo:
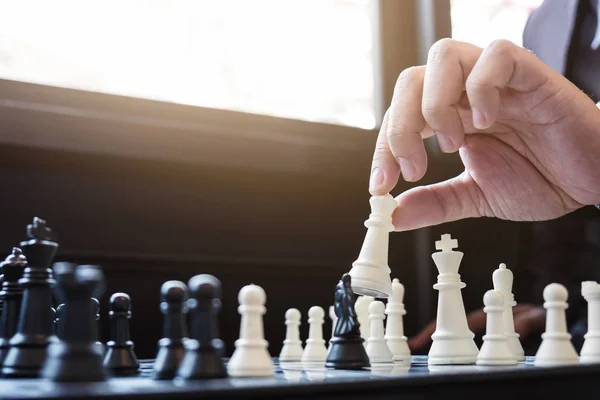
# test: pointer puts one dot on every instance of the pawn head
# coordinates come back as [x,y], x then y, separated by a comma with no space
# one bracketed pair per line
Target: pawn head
[205,286]
[293,314]
[120,302]
[252,295]
[555,292]
[397,289]
[493,298]
[316,312]
[174,292]
[376,307]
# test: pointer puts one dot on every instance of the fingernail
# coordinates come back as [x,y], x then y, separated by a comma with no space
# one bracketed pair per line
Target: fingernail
[407,168]
[478,119]
[376,178]
[445,143]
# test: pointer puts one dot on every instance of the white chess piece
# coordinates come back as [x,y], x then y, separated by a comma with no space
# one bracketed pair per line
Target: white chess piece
[361,307]
[556,347]
[333,318]
[377,348]
[315,350]
[503,282]
[495,349]
[452,341]
[370,272]
[292,345]
[394,329]
[251,357]
[590,352]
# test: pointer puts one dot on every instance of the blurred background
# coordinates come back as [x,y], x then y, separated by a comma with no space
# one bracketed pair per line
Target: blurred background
[163,139]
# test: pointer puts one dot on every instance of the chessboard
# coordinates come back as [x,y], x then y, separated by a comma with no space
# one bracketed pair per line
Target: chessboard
[298,381]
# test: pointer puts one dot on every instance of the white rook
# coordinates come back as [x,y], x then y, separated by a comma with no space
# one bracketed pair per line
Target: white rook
[370,272]
[452,341]
[590,352]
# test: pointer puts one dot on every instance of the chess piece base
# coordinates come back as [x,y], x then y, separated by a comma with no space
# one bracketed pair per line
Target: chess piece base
[201,362]
[121,361]
[26,356]
[291,351]
[250,360]
[377,288]
[347,353]
[453,351]
[74,362]
[515,346]
[169,356]
[556,350]
[590,351]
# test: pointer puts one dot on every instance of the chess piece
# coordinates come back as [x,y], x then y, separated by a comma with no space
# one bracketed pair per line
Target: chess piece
[370,272]
[333,319]
[217,342]
[377,348]
[120,358]
[292,345]
[361,307]
[201,359]
[315,350]
[495,349]
[171,348]
[2,295]
[58,320]
[503,282]
[251,357]
[95,311]
[27,352]
[394,330]
[347,349]
[556,348]
[452,341]
[76,356]
[590,351]
[13,268]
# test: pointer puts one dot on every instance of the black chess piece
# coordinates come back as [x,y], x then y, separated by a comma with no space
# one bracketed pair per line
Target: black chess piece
[347,349]
[201,360]
[13,268]
[171,346]
[76,356]
[27,352]
[217,342]
[2,295]
[120,359]
[95,304]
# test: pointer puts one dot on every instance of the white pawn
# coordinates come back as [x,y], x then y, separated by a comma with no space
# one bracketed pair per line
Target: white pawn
[315,350]
[251,357]
[333,318]
[503,282]
[590,352]
[495,349]
[361,307]
[292,345]
[556,347]
[377,348]
[394,330]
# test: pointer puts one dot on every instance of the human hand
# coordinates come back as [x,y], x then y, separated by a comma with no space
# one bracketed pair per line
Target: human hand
[529,138]
[529,319]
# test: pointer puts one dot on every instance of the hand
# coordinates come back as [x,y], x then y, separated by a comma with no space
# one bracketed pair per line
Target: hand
[529,139]
[529,319]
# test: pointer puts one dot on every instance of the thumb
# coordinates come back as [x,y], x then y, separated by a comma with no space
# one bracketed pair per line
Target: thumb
[451,200]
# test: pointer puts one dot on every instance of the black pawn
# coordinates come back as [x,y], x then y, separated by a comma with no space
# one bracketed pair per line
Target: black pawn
[76,357]
[95,305]
[35,332]
[347,349]
[12,268]
[120,359]
[170,347]
[201,360]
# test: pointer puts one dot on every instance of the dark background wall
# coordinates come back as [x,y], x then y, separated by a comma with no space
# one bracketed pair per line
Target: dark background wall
[294,232]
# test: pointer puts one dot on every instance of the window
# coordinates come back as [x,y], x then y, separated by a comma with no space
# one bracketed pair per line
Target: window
[302,59]
[482,21]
